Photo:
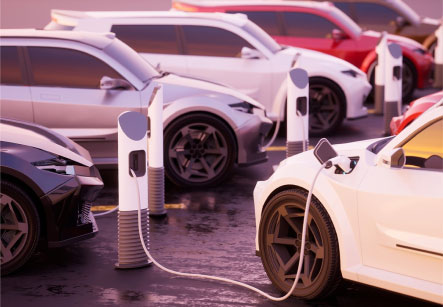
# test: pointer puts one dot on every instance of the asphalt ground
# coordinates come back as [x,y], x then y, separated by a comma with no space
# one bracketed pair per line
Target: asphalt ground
[210,231]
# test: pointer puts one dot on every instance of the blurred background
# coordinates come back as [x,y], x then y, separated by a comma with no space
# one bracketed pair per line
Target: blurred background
[36,14]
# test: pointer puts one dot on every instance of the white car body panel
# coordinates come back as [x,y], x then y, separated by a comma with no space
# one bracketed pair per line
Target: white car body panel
[263,79]
[390,233]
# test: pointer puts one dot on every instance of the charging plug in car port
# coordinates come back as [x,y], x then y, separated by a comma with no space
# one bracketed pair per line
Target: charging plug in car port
[137,162]
[354,161]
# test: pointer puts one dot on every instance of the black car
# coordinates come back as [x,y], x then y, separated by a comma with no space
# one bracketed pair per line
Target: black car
[47,185]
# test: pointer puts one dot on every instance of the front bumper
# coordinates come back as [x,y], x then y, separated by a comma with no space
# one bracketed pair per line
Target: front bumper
[356,91]
[68,210]
[250,140]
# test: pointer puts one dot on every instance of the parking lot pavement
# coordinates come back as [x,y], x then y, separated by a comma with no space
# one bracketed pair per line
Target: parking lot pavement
[209,231]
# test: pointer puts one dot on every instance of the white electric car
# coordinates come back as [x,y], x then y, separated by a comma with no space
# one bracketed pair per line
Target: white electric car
[229,49]
[79,82]
[381,224]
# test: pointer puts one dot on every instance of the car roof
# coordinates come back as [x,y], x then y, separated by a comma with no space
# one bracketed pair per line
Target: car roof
[98,40]
[324,5]
[71,17]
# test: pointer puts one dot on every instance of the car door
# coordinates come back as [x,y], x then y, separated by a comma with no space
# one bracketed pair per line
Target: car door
[15,94]
[157,43]
[401,210]
[66,93]
[215,54]
[312,31]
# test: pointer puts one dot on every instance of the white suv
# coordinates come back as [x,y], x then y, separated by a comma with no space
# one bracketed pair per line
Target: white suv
[230,49]
[79,82]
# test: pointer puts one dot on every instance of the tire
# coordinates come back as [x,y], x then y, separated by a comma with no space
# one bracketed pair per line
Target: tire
[280,239]
[409,74]
[20,227]
[409,80]
[327,106]
[200,150]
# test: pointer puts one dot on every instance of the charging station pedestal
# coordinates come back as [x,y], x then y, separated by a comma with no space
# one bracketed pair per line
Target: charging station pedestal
[297,118]
[438,58]
[156,171]
[379,77]
[393,84]
[132,139]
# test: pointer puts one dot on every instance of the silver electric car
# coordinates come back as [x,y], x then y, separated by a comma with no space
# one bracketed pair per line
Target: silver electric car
[78,83]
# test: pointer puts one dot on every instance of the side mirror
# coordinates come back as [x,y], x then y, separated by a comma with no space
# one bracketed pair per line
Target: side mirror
[395,158]
[107,83]
[338,35]
[400,22]
[248,53]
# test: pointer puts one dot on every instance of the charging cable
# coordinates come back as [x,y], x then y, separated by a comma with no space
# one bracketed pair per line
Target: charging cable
[106,212]
[230,281]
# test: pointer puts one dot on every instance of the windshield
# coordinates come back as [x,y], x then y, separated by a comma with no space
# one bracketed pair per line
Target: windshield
[346,21]
[132,60]
[379,145]
[262,36]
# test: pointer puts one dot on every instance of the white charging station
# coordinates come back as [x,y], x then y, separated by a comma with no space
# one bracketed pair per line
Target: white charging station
[438,58]
[156,171]
[132,139]
[393,84]
[379,77]
[297,117]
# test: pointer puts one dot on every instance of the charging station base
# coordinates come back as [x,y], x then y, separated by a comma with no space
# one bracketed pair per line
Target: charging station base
[156,191]
[379,97]
[130,250]
[438,75]
[390,111]
[296,147]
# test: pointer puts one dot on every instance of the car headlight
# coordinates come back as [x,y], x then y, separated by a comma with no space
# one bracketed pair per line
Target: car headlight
[351,73]
[420,51]
[62,166]
[242,107]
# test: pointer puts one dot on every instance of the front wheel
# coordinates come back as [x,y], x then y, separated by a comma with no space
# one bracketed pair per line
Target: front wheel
[20,227]
[327,105]
[280,234]
[200,150]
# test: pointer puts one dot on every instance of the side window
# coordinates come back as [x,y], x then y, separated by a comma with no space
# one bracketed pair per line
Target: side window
[425,149]
[149,38]
[307,25]
[10,66]
[67,68]
[369,15]
[211,41]
[268,21]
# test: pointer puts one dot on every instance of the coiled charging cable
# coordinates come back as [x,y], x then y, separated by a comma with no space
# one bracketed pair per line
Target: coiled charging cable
[230,281]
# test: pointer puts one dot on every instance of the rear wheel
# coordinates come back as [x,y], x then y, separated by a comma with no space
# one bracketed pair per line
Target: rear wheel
[280,234]
[20,227]
[327,105]
[200,150]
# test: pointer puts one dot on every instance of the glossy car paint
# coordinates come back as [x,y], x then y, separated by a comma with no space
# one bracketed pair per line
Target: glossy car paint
[387,219]
[89,116]
[62,198]
[262,78]
[355,46]
[414,110]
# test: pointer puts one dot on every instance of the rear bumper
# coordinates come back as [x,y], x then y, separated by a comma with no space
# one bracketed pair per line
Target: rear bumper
[250,140]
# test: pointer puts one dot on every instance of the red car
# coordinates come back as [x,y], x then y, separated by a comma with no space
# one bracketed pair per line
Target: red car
[414,110]
[323,27]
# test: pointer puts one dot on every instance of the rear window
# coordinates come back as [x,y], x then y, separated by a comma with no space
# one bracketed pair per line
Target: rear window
[307,25]
[10,66]
[149,38]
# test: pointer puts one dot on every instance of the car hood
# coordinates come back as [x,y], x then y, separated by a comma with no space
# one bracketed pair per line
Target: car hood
[401,40]
[318,57]
[186,86]
[42,138]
